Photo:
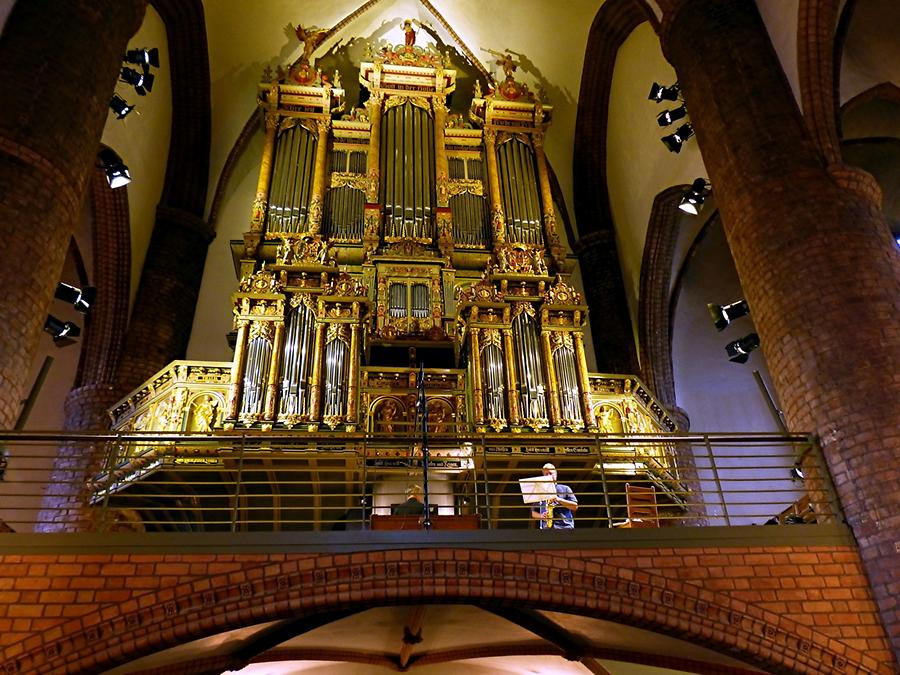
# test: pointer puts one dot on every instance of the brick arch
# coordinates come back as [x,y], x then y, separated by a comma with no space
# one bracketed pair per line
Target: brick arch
[655,303]
[288,586]
[596,246]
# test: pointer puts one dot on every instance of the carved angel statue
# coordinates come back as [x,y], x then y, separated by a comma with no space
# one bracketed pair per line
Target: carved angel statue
[311,38]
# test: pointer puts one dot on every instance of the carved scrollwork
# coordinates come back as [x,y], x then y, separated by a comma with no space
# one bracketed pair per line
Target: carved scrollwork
[305,250]
[463,185]
[263,281]
[520,259]
[346,285]
[561,293]
[345,179]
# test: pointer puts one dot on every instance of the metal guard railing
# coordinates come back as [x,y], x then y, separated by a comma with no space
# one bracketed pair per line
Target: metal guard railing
[282,481]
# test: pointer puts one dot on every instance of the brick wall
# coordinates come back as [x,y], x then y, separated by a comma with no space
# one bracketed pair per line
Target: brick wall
[784,609]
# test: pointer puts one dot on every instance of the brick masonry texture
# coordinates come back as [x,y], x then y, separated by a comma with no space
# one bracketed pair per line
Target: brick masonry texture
[799,610]
[47,149]
[817,263]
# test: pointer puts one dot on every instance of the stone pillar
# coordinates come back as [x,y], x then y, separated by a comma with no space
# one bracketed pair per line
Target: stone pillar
[163,313]
[817,263]
[51,120]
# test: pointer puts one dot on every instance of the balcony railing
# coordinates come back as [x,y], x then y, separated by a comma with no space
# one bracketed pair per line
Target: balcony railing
[266,482]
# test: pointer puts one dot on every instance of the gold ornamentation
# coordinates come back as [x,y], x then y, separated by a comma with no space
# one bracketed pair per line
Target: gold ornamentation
[258,213]
[338,331]
[346,179]
[263,281]
[520,259]
[345,285]
[561,293]
[519,307]
[262,329]
[459,186]
[491,336]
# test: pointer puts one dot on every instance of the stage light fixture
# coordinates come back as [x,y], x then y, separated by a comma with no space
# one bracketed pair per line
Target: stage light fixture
[693,199]
[143,57]
[660,93]
[722,315]
[117,173]
[120,106]
[674,141]
[739,350]
[142,82]
[62,332]
[797,473]
[667,117]
[80,298]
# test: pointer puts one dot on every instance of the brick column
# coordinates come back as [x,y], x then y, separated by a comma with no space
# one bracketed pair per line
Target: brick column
[51,119]
[816,261]
[163,313]
[610,321]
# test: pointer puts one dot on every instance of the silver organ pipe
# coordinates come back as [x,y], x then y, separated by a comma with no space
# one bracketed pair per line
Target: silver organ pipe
[518,187]
[493,377]
[336,371]
[407,171]
[344,218]
[566,374]
[457,167]
[532,387]
[295,154]
[296,366]
[256,372]
[397,301]
[421,302]
[470,220]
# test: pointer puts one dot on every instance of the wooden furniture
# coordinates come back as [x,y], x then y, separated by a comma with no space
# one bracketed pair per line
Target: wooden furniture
[641,503]
[464,522]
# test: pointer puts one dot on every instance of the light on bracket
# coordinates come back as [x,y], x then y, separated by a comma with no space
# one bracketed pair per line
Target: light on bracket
[693,199]
[674,141]
[142,82]
[722,315]
[143,57]
[120,106]
[117,173]
[62,332]
[80,298]
[667,117]
[739,350]
[659,93]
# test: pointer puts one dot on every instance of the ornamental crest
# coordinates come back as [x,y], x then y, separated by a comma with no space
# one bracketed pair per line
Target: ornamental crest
[562,293]
[345,284]
[517,259]
[263,281]
[304,251]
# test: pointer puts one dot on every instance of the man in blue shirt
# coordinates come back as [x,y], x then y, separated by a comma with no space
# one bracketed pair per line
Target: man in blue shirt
[559,513]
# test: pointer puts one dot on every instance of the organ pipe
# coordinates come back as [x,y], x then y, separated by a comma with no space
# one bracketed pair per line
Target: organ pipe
[292,180]
[518,187]
[567,377]
[297,362]
[407,172]
[532,387]
[259,355]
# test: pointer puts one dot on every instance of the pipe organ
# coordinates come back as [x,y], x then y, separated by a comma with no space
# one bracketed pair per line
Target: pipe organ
[398,233]
[405,226]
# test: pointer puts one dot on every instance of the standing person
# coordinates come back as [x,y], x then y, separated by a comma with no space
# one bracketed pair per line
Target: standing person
[558,513]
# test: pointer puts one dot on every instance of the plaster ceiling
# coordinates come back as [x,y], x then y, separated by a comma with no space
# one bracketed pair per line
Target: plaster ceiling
[458,639]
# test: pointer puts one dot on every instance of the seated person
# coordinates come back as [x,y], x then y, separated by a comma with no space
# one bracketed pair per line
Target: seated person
[413,506]
[558,513]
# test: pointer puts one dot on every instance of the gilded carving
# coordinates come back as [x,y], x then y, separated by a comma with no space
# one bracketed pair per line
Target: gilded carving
[459,186]
[346,179]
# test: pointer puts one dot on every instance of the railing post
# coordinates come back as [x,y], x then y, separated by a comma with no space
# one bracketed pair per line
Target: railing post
[237,483]
[715,472]
[606,503]
[487,492]
[110,465]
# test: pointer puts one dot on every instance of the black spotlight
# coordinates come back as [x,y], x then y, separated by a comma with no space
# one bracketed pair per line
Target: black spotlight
[797,473]
[120,106]
[116,172]
[62,332]
[667,117]
[143,57]
[80,298]
[739,350]
[660,93]
[695,196]
[142,82]
[722,315]
[674,141]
